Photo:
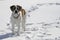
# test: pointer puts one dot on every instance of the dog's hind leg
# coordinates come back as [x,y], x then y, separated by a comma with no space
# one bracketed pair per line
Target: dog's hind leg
[23,22]
[23,17]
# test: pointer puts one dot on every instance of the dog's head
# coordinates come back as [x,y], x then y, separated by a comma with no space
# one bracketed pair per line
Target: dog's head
[15,9]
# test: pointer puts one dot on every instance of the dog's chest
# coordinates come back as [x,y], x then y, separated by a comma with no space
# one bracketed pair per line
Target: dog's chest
[15,20]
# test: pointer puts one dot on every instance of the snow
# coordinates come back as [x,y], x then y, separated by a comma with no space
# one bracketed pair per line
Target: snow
[42,23]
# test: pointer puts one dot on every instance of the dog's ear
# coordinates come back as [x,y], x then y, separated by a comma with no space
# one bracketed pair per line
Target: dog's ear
[19,7]
[12,7]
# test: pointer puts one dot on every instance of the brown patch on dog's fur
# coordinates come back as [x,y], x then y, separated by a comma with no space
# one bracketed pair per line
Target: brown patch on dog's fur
[23,12]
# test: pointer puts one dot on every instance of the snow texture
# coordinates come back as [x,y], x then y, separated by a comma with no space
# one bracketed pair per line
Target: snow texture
[42,22]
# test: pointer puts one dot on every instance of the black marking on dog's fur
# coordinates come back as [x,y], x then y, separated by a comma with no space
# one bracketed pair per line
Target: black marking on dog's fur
[13,8]
[19,7]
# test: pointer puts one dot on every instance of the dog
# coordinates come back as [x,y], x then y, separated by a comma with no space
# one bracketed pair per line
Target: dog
[18,17]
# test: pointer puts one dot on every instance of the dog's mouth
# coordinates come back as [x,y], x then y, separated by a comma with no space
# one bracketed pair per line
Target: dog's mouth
[16,15]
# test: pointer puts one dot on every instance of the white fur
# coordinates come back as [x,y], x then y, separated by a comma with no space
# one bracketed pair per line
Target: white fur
[18,22]
[15,15]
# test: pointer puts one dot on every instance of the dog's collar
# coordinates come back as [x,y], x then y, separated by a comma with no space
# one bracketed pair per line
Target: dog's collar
[17,16]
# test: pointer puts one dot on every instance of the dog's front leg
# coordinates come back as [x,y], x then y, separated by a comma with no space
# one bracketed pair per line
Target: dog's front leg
[13,32]
[18,30]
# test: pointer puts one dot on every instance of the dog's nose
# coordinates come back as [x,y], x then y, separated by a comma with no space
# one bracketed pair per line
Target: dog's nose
[16,12]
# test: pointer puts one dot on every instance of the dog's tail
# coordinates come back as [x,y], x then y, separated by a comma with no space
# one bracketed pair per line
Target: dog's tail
[23,12]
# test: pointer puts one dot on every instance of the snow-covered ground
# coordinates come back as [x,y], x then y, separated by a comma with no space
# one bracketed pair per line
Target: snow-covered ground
[42,22]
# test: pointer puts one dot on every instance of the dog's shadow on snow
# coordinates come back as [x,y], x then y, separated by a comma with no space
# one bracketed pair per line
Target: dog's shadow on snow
[7,35]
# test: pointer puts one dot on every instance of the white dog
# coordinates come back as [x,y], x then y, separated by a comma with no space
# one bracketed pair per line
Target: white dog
[18,16]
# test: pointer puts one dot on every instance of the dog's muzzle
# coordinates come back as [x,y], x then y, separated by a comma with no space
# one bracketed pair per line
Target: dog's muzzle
[16,15]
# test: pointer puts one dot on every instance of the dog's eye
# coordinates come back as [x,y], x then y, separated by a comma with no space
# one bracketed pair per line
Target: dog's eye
[18,8]
[14,8]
